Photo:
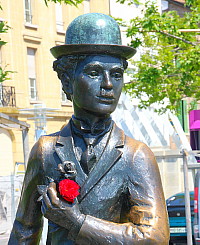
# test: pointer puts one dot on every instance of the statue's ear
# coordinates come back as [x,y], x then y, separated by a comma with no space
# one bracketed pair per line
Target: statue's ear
[66,84]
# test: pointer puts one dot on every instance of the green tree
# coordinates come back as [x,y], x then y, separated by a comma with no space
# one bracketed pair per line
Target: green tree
[70,2]
[169,67]
[4,74]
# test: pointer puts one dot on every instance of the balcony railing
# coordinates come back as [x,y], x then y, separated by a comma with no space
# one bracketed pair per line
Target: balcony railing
[7,96]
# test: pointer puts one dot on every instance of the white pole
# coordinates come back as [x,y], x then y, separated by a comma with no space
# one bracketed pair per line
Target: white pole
[25,145]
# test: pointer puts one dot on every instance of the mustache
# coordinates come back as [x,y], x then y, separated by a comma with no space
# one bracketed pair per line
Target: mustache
[106,93]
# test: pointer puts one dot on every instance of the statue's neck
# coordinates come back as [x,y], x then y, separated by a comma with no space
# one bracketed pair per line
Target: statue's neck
[88,117]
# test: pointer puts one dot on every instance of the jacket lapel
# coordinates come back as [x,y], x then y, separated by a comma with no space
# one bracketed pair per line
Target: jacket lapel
[109,157]
[65,149]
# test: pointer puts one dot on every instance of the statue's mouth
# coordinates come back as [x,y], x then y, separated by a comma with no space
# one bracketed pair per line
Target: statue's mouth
[106,99]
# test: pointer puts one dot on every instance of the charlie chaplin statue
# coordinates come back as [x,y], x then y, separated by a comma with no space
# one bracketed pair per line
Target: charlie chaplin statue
[121,199]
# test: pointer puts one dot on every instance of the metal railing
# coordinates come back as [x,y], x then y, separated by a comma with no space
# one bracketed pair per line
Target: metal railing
[7,96]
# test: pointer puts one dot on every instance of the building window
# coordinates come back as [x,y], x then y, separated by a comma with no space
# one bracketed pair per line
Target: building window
[86,6]
[28,11]
[33,89]
[32,74]
[59,18]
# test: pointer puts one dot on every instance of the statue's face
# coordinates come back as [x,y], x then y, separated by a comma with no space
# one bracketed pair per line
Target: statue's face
[98,84]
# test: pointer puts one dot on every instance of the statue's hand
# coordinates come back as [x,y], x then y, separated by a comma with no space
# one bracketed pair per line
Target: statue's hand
[60,211]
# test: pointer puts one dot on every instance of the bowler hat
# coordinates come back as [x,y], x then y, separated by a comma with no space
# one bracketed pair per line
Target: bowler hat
[93,33]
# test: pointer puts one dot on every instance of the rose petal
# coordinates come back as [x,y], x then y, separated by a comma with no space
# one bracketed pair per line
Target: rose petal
[68,189]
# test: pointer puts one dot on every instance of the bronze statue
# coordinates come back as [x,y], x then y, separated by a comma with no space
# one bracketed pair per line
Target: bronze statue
[121,199]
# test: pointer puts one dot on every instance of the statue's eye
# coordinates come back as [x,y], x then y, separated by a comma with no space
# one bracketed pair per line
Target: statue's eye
[93,73]
[117,75]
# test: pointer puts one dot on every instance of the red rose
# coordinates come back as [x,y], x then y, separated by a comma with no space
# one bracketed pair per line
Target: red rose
[68,189]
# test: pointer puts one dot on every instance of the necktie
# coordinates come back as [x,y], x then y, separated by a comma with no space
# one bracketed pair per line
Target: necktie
[90,137]
[88,157]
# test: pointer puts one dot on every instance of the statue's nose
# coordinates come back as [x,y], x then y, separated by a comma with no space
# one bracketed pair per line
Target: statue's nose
[106,82]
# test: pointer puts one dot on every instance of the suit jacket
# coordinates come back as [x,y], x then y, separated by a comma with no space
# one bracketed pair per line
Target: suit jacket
[122,196]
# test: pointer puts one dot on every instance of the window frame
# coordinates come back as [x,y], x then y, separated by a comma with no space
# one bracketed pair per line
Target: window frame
[32,73]
[28,11]
[33,89]
[59,18]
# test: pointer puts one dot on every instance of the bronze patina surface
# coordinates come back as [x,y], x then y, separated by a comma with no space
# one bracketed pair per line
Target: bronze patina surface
[121,199]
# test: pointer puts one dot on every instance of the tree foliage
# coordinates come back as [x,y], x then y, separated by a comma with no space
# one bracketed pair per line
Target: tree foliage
[169,67]
[70,2]
[4,74]
[3,28]
[128,1]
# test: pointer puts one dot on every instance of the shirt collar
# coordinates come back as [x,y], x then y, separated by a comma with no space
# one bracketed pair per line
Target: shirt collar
[100,127]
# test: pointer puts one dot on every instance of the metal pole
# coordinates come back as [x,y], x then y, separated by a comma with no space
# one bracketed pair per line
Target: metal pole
[12,186]
[25,145]
[187,199]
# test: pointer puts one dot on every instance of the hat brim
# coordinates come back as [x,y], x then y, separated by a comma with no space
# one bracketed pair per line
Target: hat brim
[72,49]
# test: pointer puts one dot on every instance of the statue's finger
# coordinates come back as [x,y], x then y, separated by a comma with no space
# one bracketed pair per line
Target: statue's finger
[53,194]
[46,201]
[40,198]
[42,189]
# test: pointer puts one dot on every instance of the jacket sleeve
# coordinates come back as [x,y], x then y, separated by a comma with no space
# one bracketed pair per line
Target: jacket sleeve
[28,223]
[145,219]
